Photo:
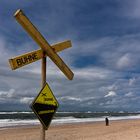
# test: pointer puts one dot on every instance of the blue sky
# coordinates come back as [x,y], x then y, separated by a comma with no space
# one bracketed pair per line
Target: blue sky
[104,56]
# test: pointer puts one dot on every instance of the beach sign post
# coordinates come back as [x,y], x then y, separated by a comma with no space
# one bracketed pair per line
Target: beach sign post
[45,104]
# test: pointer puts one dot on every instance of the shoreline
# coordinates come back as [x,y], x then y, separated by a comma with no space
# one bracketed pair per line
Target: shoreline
[117,130]
[66,123]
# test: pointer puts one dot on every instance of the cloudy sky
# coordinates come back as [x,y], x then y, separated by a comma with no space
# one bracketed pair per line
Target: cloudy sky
[104,57]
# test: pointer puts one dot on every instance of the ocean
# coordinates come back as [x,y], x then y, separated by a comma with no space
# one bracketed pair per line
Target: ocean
[12,119]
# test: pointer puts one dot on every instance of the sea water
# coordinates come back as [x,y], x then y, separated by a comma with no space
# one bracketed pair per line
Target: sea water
[13,119]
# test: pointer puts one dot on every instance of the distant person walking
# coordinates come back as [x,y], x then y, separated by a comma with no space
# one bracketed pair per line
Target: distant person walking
[107,121]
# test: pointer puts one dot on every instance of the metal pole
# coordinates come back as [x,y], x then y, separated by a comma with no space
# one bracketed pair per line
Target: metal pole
[43,70]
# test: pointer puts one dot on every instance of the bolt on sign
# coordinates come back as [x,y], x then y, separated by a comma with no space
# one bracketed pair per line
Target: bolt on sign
[45,106]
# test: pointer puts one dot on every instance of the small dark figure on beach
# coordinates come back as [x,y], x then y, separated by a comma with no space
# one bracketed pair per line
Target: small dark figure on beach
[107,121]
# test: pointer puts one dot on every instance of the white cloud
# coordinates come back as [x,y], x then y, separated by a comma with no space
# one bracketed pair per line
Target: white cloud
[113,87]
[129,94]
[69,98]
[7,94]
[88,81]
[131,8]
[92,72]
[26,100]
[125,61]
[132,81]
[80,99]
[111,94]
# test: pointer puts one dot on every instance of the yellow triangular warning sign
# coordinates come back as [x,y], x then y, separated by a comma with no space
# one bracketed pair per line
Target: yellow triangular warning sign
[46,96]
[45,106]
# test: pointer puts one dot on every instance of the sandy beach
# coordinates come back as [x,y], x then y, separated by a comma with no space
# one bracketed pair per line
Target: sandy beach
[117,130]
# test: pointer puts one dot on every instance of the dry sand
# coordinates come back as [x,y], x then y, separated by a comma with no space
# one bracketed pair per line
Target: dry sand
[117,130]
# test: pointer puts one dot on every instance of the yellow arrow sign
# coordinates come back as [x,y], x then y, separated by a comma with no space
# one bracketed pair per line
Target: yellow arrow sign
[45,106]
[40,40]
[33,56]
